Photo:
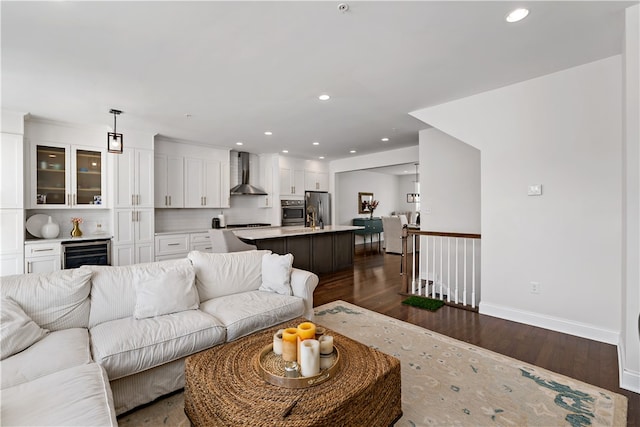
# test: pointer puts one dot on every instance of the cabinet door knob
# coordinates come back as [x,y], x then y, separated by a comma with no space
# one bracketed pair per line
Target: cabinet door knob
[28,267]
[133,200]
[74,199]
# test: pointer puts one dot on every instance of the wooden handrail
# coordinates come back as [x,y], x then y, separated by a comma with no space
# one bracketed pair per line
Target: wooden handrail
[406,231]
[442,233]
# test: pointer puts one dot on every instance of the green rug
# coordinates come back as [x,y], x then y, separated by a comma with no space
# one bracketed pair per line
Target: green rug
[424,302]
[447,382]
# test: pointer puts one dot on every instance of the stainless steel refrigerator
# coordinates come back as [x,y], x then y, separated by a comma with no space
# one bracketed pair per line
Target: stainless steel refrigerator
[321,203]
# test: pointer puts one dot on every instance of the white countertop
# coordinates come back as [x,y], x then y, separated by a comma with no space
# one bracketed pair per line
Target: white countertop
[69,239]
[275,232]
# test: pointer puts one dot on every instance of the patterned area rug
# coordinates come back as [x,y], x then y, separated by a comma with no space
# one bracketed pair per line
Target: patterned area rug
[448,382]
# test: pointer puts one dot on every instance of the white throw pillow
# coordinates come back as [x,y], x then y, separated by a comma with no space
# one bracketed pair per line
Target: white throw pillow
[165,291]
[223,274]
[17,330]
[276,273]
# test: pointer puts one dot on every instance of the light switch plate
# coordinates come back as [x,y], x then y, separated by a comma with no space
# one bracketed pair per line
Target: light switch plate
[534,190]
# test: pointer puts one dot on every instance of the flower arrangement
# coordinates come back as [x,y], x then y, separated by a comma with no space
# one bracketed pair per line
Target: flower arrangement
[76,219]
[371,206]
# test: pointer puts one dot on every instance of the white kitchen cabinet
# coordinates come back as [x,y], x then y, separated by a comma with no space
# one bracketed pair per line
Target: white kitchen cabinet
[67,176]
[11,264]
[316,181]
[132,254]
[265,175]
[11,175]
[42,257]
[11,204]
[172,246]
[200,242]
[134,228]
[11,231]
[291,181]
[169,181]
[206,183]
[134,179]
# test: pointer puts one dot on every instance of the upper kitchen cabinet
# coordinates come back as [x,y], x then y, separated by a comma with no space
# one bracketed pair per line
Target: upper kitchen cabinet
[169,181]
[67,176]
[316,181]
[206,183]
[134,181]
[291,181]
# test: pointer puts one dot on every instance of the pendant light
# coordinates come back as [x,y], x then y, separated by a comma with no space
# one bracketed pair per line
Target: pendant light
[114,139]
[415,197]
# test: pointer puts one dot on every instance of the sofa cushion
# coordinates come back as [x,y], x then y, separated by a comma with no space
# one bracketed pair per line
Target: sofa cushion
[113,294]
[57,351]
[128,346]
[56,300]
[245,313]
[78,396]
[276,273]
[165,290]
[17,330]
[225,274]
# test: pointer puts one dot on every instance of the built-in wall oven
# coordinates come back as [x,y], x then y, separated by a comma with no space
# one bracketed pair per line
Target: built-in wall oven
[86,252]
[292,212]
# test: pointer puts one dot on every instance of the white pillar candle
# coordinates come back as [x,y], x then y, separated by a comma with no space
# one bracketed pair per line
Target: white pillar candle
[277,342]
[310,360]
[326,344]
[326,361]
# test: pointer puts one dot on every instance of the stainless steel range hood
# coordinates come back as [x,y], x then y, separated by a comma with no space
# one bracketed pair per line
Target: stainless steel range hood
[244,188]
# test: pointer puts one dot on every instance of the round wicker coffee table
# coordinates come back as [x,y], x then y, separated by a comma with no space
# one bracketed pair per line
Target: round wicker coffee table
[223,386]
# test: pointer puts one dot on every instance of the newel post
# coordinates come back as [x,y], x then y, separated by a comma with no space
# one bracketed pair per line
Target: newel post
[404,263]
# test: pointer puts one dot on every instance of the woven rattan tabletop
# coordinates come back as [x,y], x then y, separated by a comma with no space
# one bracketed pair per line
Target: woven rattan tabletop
[224,387]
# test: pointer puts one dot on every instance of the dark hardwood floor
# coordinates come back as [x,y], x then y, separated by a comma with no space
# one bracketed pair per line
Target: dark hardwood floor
[374,283]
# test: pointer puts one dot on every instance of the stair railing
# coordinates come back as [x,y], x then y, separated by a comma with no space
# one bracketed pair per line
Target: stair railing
[444,266]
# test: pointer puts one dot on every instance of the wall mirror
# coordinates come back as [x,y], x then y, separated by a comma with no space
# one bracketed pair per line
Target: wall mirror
[363,200]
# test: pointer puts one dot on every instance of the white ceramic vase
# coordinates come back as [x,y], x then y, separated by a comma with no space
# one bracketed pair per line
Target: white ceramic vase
[50,229]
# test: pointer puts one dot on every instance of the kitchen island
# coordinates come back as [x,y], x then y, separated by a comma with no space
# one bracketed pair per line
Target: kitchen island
[318,250]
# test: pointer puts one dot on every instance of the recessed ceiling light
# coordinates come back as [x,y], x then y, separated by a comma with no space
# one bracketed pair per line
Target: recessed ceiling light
[53,156]
[239,143]
[385,139]
[352,151]
[187,115]
[268,133]
[285,151]
[324,97]
[517,15]
[321,157]
[315,143]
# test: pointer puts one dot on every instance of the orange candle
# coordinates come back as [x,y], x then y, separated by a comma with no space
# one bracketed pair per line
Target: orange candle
[290,344]
[306,331]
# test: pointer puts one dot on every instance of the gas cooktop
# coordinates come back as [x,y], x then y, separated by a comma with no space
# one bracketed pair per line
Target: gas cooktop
[258,224]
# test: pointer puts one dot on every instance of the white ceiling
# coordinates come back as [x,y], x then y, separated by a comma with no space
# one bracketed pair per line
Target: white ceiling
[242,68]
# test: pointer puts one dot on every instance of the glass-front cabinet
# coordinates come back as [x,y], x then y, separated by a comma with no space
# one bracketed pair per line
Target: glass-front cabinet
[67,176]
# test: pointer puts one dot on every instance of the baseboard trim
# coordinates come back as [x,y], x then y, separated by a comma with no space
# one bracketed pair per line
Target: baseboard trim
[553,323]
[629,380]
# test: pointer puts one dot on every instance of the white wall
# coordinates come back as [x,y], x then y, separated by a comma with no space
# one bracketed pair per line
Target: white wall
[563,131]
[345,200]
[630,337]
[449,184]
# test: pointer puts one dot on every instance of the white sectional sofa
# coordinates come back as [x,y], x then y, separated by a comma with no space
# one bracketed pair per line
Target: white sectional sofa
[81,346]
